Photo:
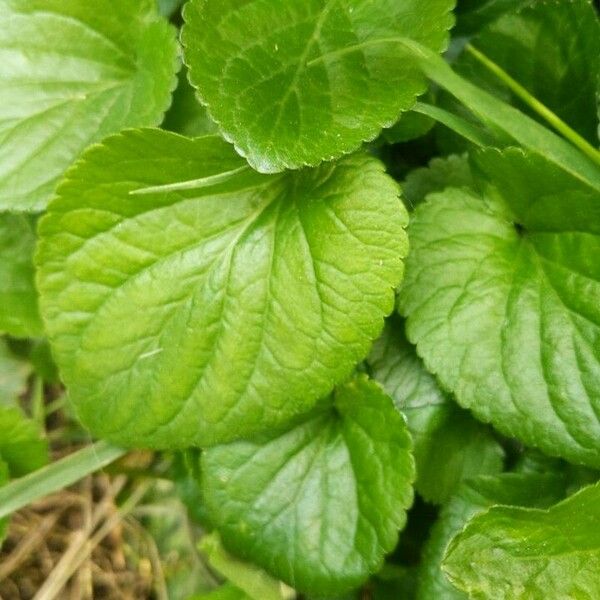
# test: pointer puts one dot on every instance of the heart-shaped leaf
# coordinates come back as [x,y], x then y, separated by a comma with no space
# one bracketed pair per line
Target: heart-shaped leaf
[320,504]
[191,300]
[502,295]
[296,82]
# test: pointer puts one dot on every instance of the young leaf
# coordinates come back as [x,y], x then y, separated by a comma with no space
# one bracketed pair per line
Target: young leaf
[451,171]
[192,301]
[251,63]
[531,554]
[73,72]
[449,445]
[502,295]
[19,314]
[473,497]
[320,504]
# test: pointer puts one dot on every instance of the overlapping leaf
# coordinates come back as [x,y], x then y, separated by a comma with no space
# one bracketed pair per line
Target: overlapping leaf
[296,82]
[73,72]
[503,300]
[473,497]
[320,504]
[531,554]
[194,312]
[450,171]
[449,445]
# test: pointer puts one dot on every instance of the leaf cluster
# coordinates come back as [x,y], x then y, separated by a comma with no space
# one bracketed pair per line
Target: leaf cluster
[347,248]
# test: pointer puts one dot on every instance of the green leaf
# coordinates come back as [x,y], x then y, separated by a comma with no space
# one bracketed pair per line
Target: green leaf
[252,581]
[552,49]
[21,446]
[186,115]
[13,376]
[19,314]
[73,72]
[451,171]
[531,554]
[174,279]
[473,497]
[289,112]
[502,295]
[449,445]
[320,504]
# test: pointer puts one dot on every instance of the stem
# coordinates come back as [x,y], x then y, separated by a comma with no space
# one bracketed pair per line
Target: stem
[56,476]
[543,111]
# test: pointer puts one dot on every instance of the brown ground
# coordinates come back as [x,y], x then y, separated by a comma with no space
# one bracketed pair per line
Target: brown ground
[76,545]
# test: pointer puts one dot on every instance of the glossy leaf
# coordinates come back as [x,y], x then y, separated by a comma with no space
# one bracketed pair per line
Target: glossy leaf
[19,315]
[474,497]
[73,72]
[311,79]
[449,445]
[320,504]
[531,554]
[503,301]
[192,301]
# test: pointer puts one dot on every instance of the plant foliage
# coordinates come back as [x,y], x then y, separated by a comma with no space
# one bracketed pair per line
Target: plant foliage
[219,259]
